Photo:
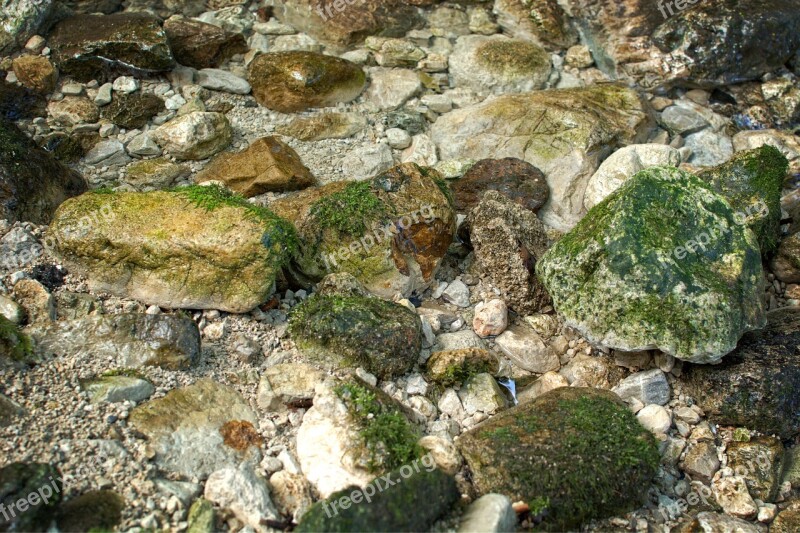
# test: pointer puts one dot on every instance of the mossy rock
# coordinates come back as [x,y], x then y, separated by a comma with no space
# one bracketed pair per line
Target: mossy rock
[202,517]
[98,510]
[453,367]
[351,331]
[175,249]
[21,480]
[14,344]
[752,181]
[632,275]
[133,111]
[418,497]
[572,454]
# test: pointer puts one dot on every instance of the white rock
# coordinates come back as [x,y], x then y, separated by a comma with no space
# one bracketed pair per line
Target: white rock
[444,453]
[390,88]
[450,404]
[732,495]
[107,153]
[416,385]
[650,386]
[422,151]
[126,84]
[527,350]
[244,493]
[194,136]
[709,148]
[222,80]
[398,139]
[367,161]
[655,418]
[457,293]
[546,383]
[491,318]
[491,513]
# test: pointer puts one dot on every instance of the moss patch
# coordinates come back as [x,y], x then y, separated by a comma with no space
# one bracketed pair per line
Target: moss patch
[13,343]
[350,211]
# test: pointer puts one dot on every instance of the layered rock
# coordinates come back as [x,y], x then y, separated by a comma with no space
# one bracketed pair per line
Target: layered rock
[200,45]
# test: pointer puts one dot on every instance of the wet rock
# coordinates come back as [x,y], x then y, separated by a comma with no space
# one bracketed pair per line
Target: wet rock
[115,389]
[753,386]
[18,481]
[73,110]
[89,47]
[324,126]
[542,21]
[565,429]
[267,165]
[508,241]
[295,81]
[20,20]
[200,45]
[195,136]
[36,73]
[133,111]
[97,509]
[174,249]
[620,276]
[244,493]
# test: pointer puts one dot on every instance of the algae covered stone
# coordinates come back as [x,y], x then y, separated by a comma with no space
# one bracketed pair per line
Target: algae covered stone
[572,454]
[295,81]
[662,263]
[383,337]
[14,345]
[196,248]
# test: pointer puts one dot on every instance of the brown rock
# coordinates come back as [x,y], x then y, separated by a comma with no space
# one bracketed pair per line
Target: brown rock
[36,72]
[542,21]
[267,165]
[786,265]
[514,178]
[132,111]
[73,110]
[200,45]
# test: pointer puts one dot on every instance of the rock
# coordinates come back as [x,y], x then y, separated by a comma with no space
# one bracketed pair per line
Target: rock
[584,434]
[621,276]
[655,418]
[367,161]
[267,165]
[786,262]
[133,111]
[788,144]
[174,249]
[343,438]
[88,47]
[200,429]
[295,81]
[292,494]
[20,20]
[343,25]
[35,300]
[18,102]
[108,153]
[457,293]
[9,409]
[701,461]
[624,163]
[491,513]
[287,385]
[443,452]
[11,310]
[390,52]
[201,517]
[104,95]
[452,367]
[34,486]
[649,387]
[761,462]
[498,64]
[481,393]
[541,21]
[547,382]
[707,521]
[14,344]
[143,145]
[428,491]
[515,179]
[93,510]
[195,136]
[391,232]
[508,241]
[36,73]
[115,389]
[390,88]
[349,331]
[222,80]
[200,45]
[159,173]
[131,340]
[787,520]
[658,45]
[323,126]
[579,122]
[752,386]
[708,148]
[126,85]
[73,110]
[491,318]
[527,350]
[244,493]
[731,493]
[683,118]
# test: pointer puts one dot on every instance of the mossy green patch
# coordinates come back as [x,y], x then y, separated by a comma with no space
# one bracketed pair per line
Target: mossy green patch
[13,343]
[351,210]
[512,57]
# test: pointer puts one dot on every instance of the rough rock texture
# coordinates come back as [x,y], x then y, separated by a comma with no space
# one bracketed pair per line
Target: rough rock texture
[585,456]
[786,263]
[763,460]
[133,111]
[508,241]
[36,73]
[91,511]
[20,20]
[390,232]
[187,429]
[295,81]
[131,340]
[565,133]
[351,331]
[267,165]
[755,385]
[453,367]
[174,249]
[200,45]
[634,276]
[195,136]
[521,182]
[542,21]
[96,47]
[32,182]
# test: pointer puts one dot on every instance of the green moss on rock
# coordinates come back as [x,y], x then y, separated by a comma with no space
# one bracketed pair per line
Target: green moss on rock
[14,344]
[351,210]
[575,453]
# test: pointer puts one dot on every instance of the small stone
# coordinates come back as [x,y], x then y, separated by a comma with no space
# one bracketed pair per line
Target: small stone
[732,495]
[398,139]
[222,80]
[491,318]
[126,85]
[104,94]
[649,387]
[701,460]
[579,56]
[457,293]
[491,513]
[195,136]
[527,350]
[655,418]
[244,493]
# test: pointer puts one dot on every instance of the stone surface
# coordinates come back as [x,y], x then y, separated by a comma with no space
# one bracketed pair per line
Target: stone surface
[701,461]
[326,125]
[197,135]
[390,88]
[491,318]
[542,21]
[708,521]
[132,111]
[481,393]
[114,389]
[655,418]
[649,387]
[761,462]
[786,263]
[521,182]
[642,270]
[222,80]
[93,510]
[287,385]
[527,350]
[451,367]
[491,513]
[36,73]
[200,45]
[244,493]
[18,481]
[267,165]
[732,495]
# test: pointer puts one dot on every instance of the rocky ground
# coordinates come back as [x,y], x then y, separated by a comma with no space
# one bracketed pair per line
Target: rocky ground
[399,265]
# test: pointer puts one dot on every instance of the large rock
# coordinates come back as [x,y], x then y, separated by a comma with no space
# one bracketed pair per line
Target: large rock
[660,264]
[199,429]
[96,47]
[707,43]
[383,337]
[519,181]
[756,385]
[200,45]
[194,136]
[32,182]
[295,81]
[174,249]
[390,232]
[267,165]
[20,20]
[131,340]
[584,454]
[565,133]
[542,21]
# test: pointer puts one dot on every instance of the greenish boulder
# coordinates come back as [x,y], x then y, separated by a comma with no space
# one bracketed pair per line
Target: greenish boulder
[453,367]
[174,249]
[201,517]
[390,232]
[14,345]
[113,389]
[659,264]
[752,181]
[39,486]
[350,331]
[756,385]
[97,510]
[572,454]
[788,520]
[418,496]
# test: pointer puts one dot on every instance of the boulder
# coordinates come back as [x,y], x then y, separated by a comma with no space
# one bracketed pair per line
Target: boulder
[200,45]
[194,136]
[541,21]
[18,482]
[20,20]
[521,182]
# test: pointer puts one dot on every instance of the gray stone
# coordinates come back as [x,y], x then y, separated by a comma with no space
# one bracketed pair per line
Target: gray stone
[682,119]
[709,148]
[391,88]
[115,389]
[481,393]
[108,153]
[491,513]
[527,350]
[649,386]
[244,493]
[457,293]
[222,80]
[701,461]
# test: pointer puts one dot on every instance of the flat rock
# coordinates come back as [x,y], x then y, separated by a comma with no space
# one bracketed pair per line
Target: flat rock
[200,45]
